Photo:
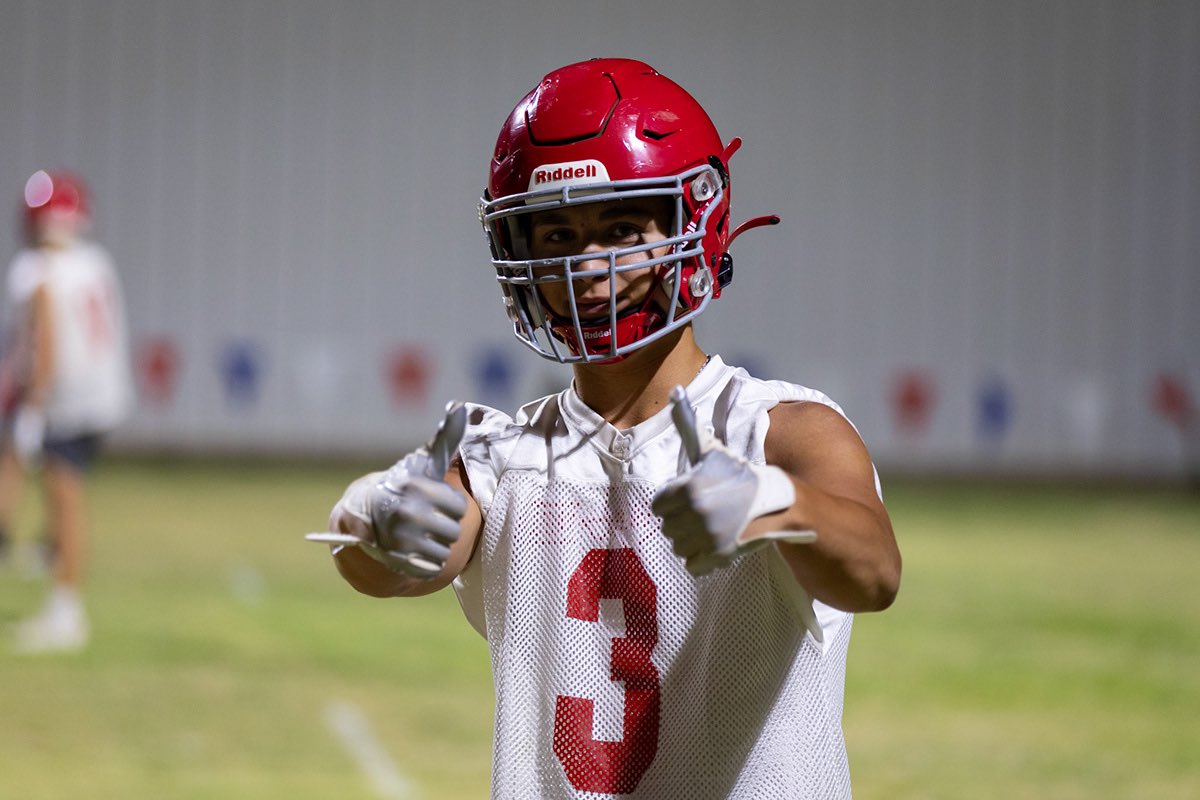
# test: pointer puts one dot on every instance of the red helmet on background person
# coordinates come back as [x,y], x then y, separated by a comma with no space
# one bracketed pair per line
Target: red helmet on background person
[605,130]
[56,206]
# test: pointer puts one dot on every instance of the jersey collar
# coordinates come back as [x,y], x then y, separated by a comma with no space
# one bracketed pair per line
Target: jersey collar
[622,444]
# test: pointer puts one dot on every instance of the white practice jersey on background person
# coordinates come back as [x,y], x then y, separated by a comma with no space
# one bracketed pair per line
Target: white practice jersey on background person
[92,388]
[618,673]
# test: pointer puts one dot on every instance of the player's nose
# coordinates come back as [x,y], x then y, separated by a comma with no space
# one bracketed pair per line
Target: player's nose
[599,257]
[599,265]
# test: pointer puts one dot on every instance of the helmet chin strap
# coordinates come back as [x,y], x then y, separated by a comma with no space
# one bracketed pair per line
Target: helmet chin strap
[756,222]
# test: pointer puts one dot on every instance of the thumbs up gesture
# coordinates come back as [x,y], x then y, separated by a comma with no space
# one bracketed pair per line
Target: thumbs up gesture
[706,509]
[407,517]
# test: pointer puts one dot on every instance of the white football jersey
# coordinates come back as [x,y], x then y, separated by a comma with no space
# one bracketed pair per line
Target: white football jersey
[618,673]
[92,389]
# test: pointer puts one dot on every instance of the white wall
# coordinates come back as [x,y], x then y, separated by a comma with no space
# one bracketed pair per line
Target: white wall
[980,192]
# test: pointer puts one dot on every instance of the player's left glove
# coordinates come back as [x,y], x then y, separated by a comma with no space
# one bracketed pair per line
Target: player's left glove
[707,509]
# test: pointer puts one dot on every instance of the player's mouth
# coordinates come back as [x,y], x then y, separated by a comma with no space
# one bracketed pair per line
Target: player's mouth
[596,310]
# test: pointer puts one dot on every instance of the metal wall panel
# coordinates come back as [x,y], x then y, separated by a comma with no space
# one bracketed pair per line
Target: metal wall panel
[989,249]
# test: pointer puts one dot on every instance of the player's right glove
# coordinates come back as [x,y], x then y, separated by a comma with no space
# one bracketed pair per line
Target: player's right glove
[408,517]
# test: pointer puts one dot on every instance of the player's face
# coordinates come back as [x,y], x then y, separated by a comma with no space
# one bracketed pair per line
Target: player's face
[601,228]
[58,228]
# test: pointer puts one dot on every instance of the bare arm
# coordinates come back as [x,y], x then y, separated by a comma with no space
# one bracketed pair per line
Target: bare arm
[41,339]
[854,565]
[373,578]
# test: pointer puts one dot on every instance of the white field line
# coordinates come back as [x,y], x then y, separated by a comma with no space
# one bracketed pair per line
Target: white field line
[350,726]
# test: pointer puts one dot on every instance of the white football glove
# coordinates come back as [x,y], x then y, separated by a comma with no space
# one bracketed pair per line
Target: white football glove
[29,434]
[406,518]
[706,510]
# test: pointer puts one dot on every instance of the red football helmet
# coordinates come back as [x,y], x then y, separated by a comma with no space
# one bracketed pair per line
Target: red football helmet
[55,202]
[604,130]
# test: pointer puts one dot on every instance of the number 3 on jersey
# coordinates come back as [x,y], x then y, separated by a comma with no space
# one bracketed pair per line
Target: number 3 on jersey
[595,765]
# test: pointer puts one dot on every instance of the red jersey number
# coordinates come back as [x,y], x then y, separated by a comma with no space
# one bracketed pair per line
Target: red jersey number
[98,316]
[601,766]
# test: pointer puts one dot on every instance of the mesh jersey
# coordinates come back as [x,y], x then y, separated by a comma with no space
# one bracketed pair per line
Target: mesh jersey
[92,389]
[617,673]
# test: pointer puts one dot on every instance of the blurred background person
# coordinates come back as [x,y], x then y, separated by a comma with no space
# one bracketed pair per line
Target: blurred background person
[64,382]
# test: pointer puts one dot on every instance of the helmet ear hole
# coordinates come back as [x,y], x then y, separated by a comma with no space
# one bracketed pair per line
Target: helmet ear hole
[724,270]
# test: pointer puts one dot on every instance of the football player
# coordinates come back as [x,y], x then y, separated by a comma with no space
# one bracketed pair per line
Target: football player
[666,557]
[64,383]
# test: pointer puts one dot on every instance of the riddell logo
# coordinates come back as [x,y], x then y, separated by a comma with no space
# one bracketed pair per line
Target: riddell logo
[564,174]
[604,334]
[569,173]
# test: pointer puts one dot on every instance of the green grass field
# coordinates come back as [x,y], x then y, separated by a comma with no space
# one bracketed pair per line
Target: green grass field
[1046,644]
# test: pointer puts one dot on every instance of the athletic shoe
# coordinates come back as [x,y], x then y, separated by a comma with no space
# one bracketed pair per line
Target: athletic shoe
[61,626]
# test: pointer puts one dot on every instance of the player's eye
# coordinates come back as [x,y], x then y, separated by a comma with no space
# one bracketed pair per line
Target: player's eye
[625,232]
[556,236]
